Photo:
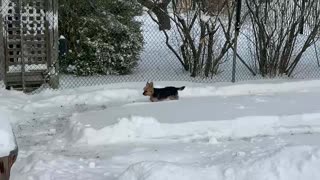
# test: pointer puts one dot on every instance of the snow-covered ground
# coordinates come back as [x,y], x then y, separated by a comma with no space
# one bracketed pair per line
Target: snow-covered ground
[252,130]
[7,140]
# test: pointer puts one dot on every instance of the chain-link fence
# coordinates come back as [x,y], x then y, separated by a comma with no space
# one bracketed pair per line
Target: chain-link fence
[280,38]
[106,41]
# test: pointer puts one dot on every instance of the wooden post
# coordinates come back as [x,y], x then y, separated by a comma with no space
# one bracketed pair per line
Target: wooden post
[52,41]
[22,54]
[55,32]
[54,79]
[2,58]
[55,43]
[49,38]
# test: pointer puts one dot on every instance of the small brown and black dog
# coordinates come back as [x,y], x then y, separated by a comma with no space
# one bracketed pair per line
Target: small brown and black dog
[159,94]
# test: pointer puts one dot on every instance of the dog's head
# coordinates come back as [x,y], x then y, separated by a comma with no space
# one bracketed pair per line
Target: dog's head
[148,89]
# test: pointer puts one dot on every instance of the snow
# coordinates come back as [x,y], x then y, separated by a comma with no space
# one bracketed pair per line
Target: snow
[205,18]
[266,129]
[145,128]
[53,20]
[28,68]
[251,130]
[290,163]
[7,140]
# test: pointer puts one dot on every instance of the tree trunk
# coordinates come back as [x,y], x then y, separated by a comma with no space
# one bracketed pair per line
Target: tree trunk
[160,10]
[210,52]
[197,54]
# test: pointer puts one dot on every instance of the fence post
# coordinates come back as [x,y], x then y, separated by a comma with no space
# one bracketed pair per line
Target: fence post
[22,45]
[54,48]
[237,29]
[2,61]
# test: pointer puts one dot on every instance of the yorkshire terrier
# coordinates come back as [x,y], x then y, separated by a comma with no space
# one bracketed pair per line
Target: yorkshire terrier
[159,94]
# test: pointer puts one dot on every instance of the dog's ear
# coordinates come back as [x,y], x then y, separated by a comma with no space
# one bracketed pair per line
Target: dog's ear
[151,84]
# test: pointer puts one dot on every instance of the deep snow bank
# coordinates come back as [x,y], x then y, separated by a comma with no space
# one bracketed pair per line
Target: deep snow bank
[7,140]
[147,128]
[294,163]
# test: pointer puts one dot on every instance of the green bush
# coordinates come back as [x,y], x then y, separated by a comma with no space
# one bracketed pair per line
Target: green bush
[103,39]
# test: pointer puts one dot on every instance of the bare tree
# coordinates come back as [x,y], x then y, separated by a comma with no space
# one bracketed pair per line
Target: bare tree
[277,26]
[200,37]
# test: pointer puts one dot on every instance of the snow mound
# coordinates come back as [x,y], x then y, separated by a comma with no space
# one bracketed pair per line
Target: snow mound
[47,166]
[127,129]
[7,140]
[132,92]
[249,89]
[137,128]
[294,163]
[88,97]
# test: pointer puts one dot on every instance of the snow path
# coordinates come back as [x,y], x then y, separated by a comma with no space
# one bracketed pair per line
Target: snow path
[110,162]
[51,148]
[212,108]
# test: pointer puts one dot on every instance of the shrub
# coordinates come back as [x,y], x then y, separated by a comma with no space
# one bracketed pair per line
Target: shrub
[103,36]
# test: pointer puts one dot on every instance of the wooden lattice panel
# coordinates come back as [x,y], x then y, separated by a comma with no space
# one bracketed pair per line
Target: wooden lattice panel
[34,32]
[13,33]
[26,34]
[28,42]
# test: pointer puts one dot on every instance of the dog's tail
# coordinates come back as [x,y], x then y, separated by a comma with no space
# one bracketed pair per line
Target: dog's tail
[181,88]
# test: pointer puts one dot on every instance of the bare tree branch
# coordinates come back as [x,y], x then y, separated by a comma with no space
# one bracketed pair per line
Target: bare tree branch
[160,10]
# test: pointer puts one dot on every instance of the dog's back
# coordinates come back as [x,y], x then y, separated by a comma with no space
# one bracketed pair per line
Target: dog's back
[167,92]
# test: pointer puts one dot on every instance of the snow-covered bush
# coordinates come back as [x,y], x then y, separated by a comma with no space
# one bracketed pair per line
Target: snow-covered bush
[103,36]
